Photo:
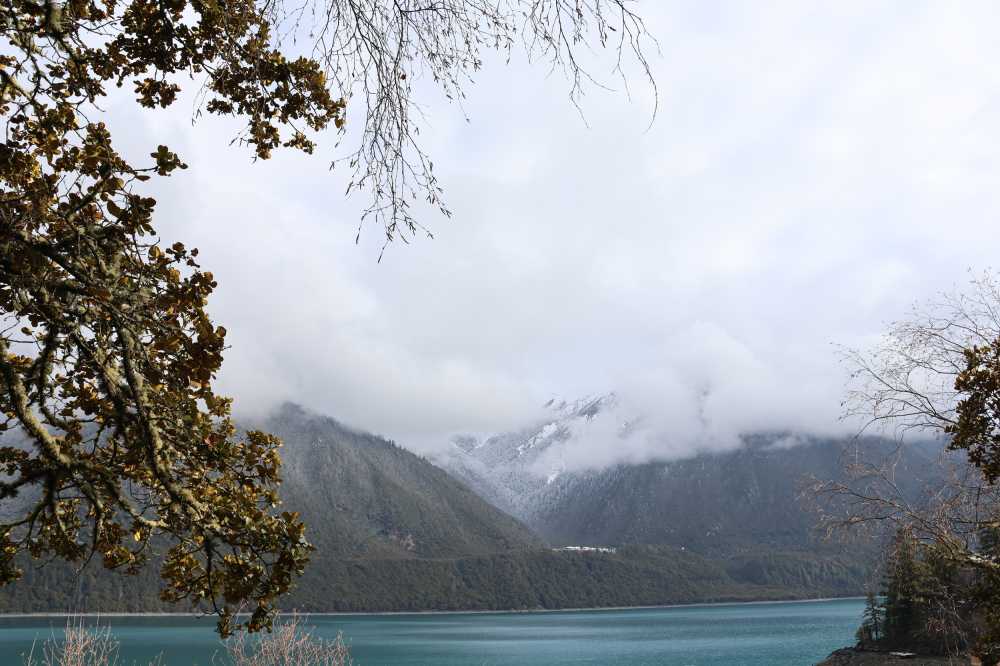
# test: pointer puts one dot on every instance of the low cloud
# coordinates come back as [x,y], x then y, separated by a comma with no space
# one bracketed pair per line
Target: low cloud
[701,393]
[811,172]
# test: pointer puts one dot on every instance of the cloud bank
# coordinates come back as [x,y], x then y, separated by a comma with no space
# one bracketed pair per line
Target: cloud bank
[813,169]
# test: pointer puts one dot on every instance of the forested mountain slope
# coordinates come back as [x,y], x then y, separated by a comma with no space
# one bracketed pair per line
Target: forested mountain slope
[394,532]
[725,503]
[364,497]
[746,499]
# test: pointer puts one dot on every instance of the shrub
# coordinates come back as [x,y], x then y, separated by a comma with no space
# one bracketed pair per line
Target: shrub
[80,646]
[288,644]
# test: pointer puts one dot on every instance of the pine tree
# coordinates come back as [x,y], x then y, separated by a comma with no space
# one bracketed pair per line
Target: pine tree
[986,595]
[902,607]
[989,540]
[872,626]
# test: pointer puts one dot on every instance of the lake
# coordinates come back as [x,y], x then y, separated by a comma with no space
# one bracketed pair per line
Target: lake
[771,634]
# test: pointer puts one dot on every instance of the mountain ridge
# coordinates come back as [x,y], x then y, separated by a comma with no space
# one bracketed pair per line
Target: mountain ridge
[732,501]
[395,533]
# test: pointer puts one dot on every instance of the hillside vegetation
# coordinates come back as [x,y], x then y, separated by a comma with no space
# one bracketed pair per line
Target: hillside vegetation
[717,504]
[539,579]
[395,533]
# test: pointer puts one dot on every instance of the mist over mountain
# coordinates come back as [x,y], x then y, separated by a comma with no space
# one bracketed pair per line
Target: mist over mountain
[628,427]
[395,532]
[729,497]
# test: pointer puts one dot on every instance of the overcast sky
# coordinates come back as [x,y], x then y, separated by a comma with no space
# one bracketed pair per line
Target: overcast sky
[813,170]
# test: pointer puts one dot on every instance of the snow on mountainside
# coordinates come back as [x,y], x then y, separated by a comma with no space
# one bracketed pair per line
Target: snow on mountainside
[517,471]
[744,497]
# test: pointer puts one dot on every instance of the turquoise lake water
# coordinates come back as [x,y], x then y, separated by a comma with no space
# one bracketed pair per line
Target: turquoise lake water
[771,634]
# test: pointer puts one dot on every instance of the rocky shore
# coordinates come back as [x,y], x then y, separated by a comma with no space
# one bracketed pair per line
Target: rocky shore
[855,657]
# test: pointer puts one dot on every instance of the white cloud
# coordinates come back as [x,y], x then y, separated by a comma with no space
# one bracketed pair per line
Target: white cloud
[813,169]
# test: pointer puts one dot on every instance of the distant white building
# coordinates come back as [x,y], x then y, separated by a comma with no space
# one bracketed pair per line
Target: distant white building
[588,549]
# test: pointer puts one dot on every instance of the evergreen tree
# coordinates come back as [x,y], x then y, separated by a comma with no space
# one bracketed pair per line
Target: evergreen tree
[902,608]
[871,630]
[985,596]
[989,540]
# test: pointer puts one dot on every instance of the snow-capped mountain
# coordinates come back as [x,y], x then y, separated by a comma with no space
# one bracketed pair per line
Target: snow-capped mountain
[520,471]
[739,499]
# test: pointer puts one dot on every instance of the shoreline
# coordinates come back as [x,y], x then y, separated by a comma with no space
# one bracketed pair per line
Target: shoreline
[699,604]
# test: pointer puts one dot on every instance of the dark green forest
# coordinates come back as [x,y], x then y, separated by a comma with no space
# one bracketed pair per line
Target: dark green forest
[538,579]
[392,532]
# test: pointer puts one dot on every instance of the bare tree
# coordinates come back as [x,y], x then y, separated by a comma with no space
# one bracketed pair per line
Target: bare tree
[935,375]
[909,387]
[906,384]
[373,51]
